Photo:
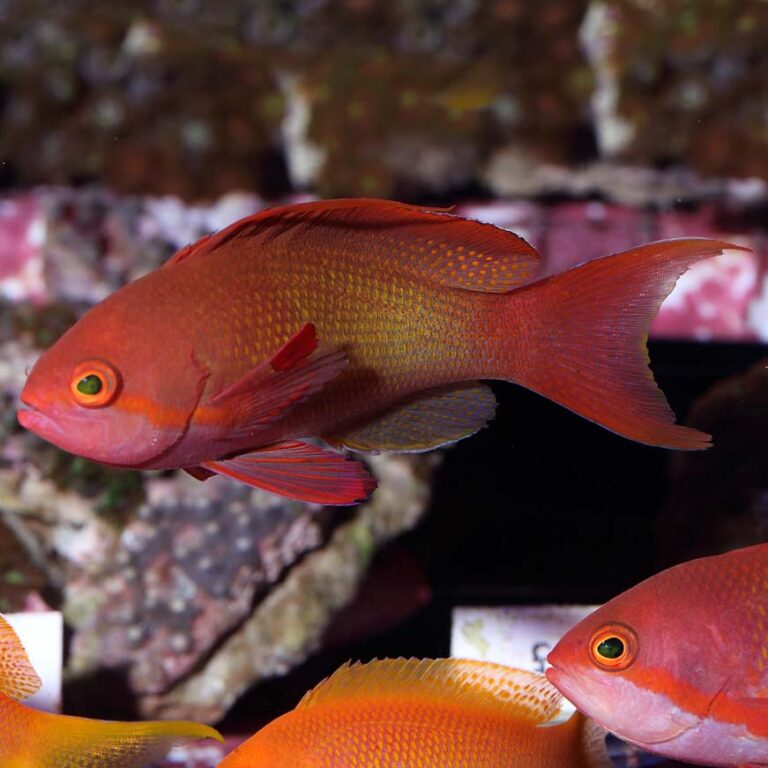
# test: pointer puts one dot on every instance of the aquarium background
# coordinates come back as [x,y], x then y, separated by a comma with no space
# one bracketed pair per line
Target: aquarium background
[128,131]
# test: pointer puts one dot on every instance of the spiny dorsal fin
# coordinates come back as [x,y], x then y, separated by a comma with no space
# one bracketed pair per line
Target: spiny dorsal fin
[18,679]
[428,242]
[293,213]
[189,249]
[493,686]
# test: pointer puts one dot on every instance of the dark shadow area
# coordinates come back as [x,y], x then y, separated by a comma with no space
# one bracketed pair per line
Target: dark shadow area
[542,506]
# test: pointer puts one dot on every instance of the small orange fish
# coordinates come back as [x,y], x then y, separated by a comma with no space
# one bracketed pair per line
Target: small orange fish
[364,323]
[679,663]
[448,713]
[33,739]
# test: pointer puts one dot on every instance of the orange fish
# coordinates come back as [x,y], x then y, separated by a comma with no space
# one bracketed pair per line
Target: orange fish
[363,323]
[33,739]
[679,664]
[448,713]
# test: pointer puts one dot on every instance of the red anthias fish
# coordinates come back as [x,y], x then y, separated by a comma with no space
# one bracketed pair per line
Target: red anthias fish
[443,713]
[33,739]
[679,664]
[363,323]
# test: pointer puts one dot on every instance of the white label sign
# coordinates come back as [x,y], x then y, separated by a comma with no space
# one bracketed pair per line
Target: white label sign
[519,636]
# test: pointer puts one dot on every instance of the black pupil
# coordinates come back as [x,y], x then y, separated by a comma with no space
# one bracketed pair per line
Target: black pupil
[90,385]
[611,648]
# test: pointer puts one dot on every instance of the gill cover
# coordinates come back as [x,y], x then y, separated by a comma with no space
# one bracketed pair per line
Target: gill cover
[119,387]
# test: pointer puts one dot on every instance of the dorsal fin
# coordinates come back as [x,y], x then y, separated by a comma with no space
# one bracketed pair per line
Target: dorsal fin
[18,679]
[477,683]
[188,250]
[428,242]
[293,213]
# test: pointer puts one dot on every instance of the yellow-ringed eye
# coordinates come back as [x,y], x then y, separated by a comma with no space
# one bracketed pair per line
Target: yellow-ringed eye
[94,383]
[613,647]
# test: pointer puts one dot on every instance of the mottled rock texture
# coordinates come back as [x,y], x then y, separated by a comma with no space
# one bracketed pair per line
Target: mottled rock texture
[356,97]
[691,80]
[194,98]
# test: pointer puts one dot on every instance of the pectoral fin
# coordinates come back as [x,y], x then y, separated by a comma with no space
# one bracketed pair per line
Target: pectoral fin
[296,371]
[435,418]
[300,471]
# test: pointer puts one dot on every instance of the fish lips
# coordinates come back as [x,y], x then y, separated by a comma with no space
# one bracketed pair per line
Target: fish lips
[34,419]
[566,684]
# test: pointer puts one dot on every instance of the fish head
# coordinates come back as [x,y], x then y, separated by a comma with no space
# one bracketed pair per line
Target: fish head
[113,388]
[622,668]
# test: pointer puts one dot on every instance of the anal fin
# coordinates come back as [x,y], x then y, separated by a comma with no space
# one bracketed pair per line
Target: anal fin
[199,473]
[300,471]
[435,418]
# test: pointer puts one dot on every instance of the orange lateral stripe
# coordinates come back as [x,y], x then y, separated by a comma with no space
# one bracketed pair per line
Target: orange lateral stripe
[167,415]
[722,707]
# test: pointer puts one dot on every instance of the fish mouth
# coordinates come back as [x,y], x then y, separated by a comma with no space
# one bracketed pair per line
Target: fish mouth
[31,417]
[568,685]
[562,681]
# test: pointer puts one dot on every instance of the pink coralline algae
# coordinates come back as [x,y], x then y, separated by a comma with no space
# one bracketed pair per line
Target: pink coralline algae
[79,247]
[22,236]
[716,298]
[725,298]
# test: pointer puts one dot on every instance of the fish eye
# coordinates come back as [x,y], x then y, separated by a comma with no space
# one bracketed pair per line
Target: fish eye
[94,384]
[90,384]
[613,647]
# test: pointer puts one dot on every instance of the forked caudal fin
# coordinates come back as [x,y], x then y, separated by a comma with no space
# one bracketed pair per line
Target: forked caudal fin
[587,331]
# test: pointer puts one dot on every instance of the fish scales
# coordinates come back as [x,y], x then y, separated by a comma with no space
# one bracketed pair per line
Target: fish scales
[414,336]
[419,734]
